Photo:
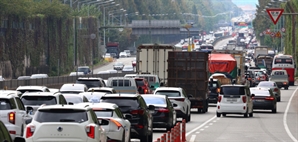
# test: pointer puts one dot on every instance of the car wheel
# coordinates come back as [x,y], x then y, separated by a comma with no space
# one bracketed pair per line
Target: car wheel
[224,114]
[150,137]
[218,114]
[246,114]
[274,110]
[170,126]
[251,114]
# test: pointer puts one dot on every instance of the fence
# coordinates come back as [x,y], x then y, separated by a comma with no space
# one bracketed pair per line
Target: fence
[53,81]
[177,134]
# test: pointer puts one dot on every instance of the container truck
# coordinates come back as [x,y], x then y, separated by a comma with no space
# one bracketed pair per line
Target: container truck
[260,50]
[113,48]
[189,70]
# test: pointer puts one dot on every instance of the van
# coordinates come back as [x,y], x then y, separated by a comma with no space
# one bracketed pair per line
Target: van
[123,85]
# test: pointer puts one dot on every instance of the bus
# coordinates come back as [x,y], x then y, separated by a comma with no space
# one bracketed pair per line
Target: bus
[287,63]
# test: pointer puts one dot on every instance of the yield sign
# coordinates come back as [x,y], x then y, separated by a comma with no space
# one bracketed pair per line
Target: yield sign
[274,14]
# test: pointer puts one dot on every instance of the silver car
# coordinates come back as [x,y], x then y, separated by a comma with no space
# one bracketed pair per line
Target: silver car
[118,66]
[273,86]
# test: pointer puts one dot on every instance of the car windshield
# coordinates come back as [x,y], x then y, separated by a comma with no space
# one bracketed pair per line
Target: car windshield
[266,84]
[260,92]
[39,100]
[118,64]
[90,83]
[104,113]
[169,93]
[5,104]
[61,115]
[28,90]
[232,90]
[85,70]
[154,100]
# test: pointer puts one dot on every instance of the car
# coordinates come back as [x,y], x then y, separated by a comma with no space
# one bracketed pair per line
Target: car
[13,113]
[73,88]
[112,120]
[36,76]
[76,74]
[135,105]
[164,115]
[263,99]
[127,53]
[273,86]
[234,99]
[143,86]
[84,69]
[134,62]
[177,96]
[214,86]
[153,80]
[93,97]
[36,99]
[24,89]
[64,122]
[281,78]
[251,76]
[118,66]
[128,68]
[23,77]
[5,137]
[75,98]
[91,81]
[103,72]
[2,78]
[123,85]
[112,71]
[107,90]
[123,54]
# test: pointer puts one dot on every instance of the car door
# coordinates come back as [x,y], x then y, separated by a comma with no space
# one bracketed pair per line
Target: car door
[171,108]
[148,116]
[21,113]
[186,100]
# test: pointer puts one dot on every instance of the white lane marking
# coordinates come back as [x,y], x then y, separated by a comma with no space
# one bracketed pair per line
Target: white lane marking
[192,138]
[285,118]
[210,123]
[202,129]
[206,126]
[198,132]
[197,128]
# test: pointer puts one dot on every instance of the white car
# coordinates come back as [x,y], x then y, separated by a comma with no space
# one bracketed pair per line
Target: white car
[106,90]
[234,99]
[93,97]
[123,54]
[62,123]
[76,73]
[73,88]
[75,98]
[24,89]
[127,52]
[13,113]
[177,96]
[35,76]
[128,68]
[112,121]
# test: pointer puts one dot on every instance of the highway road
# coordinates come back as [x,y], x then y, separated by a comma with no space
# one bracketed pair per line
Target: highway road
[109,66]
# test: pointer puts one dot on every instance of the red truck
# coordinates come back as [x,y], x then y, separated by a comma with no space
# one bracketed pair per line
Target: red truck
[113,48]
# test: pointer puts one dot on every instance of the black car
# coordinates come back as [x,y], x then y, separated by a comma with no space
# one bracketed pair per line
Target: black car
[264,99]
[214,86]
[5,136]
[134,105]
[164,115]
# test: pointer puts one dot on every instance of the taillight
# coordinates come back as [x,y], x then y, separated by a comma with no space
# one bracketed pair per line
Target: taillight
[270,98]
[12,117]
[180,99]
[139,111]
[244,99]
[139,126]
[218,90]
[29,131]
[163,110]
[119,125]
[90,130]
[145,91]
[275,90]
[219,98]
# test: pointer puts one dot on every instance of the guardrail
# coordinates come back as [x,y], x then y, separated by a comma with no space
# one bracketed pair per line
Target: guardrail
[220,38]
[53,82]
[177,134]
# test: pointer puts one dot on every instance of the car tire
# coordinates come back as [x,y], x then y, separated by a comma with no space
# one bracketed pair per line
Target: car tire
[286,88]
[171,126]
[224,114]
[251,114]
[278,98]
[150,137]
[246,114]
[218,114]
[273,110]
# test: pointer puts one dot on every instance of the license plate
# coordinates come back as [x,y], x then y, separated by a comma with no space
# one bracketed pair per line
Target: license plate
[231,100]
[259,100]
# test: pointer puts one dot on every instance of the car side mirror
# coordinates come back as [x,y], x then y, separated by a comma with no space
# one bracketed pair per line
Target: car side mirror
[28,109]
[189,95]
[175,105]
[70,103]
[19,139]
[162,84]
[151,107]
[252,95]
[152,87]
[128,116]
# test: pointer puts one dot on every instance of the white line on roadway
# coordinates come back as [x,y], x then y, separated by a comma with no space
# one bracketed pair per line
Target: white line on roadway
[202,125]
[285,118]
[193,138]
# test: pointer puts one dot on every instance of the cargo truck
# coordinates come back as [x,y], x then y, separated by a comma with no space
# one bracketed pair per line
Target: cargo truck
[264,61]
[152,59]
[113,48]
[260,50]
[189,70]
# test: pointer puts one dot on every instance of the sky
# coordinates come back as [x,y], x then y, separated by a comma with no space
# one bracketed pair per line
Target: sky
[246,2]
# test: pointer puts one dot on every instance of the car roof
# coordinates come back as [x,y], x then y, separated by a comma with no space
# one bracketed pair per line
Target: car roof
[168,88]
[152,95]
[73,95]
[83,67]
[40,94]
[91,93]
[8,94]
[31,87]
[101,88]
[100,105]
[260,88]
[89,78]
[76,107]
[121,95]
[233,85]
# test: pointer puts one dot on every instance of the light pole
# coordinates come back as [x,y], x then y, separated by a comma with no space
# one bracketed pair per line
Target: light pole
[104,23]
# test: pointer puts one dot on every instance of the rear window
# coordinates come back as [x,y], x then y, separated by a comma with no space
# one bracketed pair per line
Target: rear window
[104,113]
[266,84]
[73,99]
[90,83]
[121,83]
[39,100]
[125,104]
[61,115]
[232,90]
[5,104]
[140,82]
[206,47]
[154,100]
[260,92]
[169,93]
[29,90]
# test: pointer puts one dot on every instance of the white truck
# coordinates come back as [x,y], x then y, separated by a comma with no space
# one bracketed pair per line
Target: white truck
[152,59]
[260,50]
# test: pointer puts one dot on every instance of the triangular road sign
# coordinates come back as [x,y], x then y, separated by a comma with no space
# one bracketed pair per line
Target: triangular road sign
[278,34]
[274,14]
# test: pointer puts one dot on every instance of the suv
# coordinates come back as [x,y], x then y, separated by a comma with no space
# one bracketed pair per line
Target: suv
[62,122]
[24,89]
[12,113]
[141,118]
[36,99]
[177,96]
[5,137]
[73,88]
[143,86]
[214,86]
[91,82]
[234,99]
[84,69]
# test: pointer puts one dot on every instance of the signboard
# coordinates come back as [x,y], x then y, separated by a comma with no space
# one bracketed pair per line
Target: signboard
[272,34]
[274,14]
[283,29]
[278,34]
